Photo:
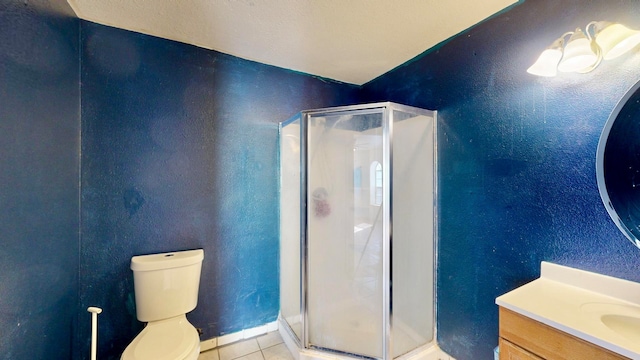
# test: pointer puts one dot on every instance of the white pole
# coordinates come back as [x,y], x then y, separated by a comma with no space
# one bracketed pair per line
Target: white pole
[94,330]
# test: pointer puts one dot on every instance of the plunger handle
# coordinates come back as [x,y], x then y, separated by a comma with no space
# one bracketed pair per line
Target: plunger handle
[94,330]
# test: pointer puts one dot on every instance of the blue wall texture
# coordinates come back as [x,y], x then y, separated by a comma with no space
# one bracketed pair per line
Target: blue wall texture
[179,151]
[517,180]
[39,162]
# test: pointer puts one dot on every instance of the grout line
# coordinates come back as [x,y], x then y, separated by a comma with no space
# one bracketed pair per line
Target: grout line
[269,347]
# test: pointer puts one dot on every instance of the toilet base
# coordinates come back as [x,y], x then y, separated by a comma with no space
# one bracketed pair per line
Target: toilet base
[168,339]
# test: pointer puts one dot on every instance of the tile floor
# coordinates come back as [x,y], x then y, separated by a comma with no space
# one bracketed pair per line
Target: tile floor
[265,347]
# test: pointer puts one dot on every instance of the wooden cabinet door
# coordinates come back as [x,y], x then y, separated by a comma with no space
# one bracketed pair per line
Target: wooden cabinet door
[547,342]
[509,351]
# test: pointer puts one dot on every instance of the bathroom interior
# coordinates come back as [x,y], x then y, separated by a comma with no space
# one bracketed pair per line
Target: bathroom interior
[116,144]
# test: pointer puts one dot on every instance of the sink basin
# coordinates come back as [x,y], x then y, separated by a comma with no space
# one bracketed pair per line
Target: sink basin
[624,325]
[601,308]
[624,320]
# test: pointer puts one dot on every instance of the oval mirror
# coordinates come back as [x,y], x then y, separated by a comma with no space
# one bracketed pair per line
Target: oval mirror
[618,165]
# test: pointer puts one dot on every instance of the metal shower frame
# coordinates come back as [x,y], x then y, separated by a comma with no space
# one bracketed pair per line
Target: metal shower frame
[387,223]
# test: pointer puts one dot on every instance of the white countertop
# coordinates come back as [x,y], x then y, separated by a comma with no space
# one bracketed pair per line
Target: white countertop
[573,301]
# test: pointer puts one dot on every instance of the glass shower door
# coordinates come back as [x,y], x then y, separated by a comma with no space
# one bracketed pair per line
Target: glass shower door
[344,232]
[413,247]
[290,277]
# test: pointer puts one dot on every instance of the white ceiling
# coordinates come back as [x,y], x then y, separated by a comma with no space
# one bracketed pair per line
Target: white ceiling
[352,41]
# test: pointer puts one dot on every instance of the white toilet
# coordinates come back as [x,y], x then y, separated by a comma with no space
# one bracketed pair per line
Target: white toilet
[166,288]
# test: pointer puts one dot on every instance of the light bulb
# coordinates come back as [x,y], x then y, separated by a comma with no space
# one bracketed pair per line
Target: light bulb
[578,54]
[615,39]
[547,63]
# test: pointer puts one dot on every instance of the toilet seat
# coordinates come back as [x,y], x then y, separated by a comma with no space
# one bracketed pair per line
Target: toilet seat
[169,339]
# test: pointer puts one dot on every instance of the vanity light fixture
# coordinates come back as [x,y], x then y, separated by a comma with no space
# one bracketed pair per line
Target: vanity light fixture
[547,63]
[615,39]
[584,50]
[579,54]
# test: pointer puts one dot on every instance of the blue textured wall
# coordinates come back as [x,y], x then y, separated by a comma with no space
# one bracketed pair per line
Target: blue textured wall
[516,160]
[179,151]
[39,160]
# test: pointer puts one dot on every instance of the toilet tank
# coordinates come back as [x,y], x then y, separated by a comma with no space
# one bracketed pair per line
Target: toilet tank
[166,285]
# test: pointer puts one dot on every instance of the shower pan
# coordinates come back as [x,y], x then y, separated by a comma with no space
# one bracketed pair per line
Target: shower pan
[358,230]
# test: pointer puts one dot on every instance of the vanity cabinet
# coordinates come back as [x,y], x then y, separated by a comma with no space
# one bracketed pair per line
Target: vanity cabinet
[522,338]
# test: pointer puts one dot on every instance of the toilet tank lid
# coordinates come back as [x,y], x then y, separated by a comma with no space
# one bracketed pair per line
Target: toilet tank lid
[166,260]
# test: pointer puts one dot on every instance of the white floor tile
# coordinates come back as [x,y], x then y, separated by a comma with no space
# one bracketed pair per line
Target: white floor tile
[270,339]
[253,356]
[277,352]
[209,355]
[238,349]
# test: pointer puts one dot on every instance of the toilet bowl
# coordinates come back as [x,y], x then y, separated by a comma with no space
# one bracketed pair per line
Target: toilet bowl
[170,339]
[166,288]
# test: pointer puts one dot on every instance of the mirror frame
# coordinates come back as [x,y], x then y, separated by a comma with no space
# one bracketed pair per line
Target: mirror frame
[602,143]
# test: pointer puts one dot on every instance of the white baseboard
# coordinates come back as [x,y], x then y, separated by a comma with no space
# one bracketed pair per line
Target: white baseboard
[215,342]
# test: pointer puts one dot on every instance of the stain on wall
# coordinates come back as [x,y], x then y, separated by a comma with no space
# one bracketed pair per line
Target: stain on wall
[517,180]
[179,151]
[39,162]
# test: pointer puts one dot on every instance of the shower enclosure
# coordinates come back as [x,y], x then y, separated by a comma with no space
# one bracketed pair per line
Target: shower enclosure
[357,227]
